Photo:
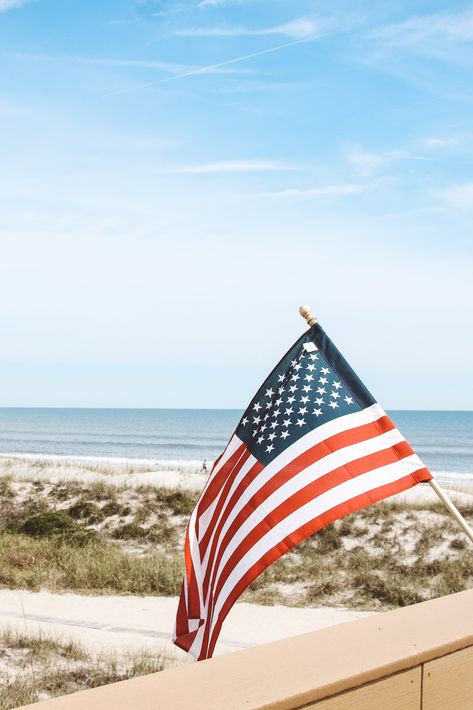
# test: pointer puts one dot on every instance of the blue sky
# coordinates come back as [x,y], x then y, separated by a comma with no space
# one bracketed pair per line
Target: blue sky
[177,177]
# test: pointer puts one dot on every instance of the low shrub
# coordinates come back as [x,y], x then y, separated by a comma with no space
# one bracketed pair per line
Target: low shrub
[130,531]
[6,490]
[345,528]
[324,588]
[114,508]
[48,524]
[387,591]
[162,533]
[180,502]
[328,539]
[86,510]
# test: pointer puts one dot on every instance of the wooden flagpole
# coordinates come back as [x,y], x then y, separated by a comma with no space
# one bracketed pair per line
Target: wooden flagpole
[308,315]
[312,320]
[452,509]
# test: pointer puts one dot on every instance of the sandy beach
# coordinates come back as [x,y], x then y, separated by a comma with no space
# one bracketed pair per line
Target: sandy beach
[119,623]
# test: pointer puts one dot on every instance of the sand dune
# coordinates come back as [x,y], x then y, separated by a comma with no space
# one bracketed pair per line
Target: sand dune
[132,473]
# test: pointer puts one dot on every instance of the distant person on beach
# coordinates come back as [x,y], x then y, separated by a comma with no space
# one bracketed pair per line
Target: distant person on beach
[204,467]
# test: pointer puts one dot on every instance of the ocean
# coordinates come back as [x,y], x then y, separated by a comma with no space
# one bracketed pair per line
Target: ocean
[443,440]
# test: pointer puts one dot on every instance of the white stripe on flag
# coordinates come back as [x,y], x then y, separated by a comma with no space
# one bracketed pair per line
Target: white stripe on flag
[194,552]
[232,446]
[325,465]
[197,643]
[316,436]
[324,431]
[206,516]
[314,508]
[247,466]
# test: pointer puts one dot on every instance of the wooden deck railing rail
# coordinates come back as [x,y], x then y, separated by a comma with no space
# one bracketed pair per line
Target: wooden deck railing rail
[416,658]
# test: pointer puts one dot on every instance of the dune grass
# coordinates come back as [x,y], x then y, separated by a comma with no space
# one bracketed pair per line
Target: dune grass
[40,666]
[93,538]
[40,646]
[383,557]
[99,566]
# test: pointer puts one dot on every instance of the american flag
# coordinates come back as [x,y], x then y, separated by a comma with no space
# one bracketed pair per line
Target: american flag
[312,446]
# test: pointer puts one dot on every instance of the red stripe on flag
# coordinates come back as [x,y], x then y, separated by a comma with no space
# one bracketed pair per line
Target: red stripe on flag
[308,457]
[339,511]
[245,455]
[215,484]
[250,476]
[310,492]
[182,626]
[334,443]
[193,599]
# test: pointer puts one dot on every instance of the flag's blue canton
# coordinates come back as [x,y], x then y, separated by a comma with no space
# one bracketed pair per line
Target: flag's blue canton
[312,384]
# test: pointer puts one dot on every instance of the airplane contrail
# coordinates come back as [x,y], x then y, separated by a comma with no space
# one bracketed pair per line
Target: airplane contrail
[211,67]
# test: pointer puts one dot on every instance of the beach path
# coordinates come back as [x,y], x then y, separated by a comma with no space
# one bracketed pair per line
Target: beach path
[128,623]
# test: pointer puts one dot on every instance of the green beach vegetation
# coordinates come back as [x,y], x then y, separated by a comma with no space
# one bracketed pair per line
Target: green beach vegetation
[36,667]
[96,538]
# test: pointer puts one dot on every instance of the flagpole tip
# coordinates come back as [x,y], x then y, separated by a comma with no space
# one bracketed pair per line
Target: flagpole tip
[308,315]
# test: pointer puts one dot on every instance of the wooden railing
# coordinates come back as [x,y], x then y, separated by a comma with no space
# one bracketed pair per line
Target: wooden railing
[416,658]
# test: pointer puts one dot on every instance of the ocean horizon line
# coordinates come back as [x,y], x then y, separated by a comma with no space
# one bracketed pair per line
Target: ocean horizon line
[199,409]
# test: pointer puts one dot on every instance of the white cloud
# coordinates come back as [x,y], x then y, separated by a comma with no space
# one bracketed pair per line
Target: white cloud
[215,3]
[322,191]
[296,29]
[364,161]
[429,40]
[10,4]
[368,162]
[439,142]
[425,30]
[230,166]
[459,196]
[169,67]
[138,63]
[251,86]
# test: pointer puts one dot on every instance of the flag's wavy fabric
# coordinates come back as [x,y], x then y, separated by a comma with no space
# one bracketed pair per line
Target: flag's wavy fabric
[312,446]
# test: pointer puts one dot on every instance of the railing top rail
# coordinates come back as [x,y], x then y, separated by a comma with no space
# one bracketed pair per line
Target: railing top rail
[303,669]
